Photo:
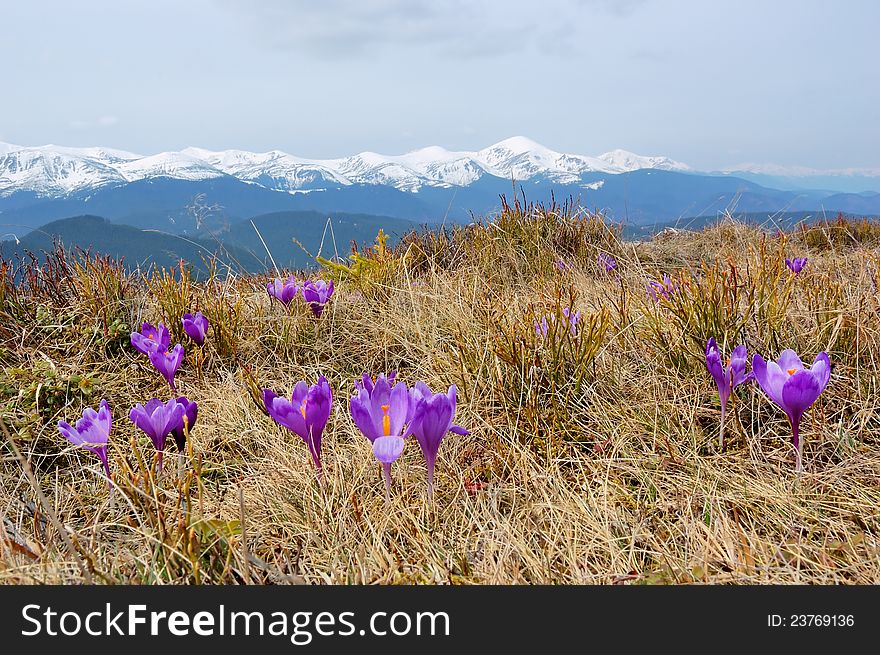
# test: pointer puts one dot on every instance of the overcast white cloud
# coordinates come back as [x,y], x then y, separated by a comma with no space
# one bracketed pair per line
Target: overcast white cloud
[708,83]
[455,28]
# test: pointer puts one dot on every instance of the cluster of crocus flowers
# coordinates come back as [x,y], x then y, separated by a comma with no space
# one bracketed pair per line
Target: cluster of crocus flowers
[155,342]
[542,327]
[92,432]
[305,414]
[663,288]
[316,293]
[158,420]
[796,265]
[793,387]
[727,375]
[387,415]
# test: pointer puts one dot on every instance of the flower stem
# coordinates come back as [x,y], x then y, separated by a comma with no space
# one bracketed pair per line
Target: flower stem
[721,429]
[200,360]
[386,470]
[798,446]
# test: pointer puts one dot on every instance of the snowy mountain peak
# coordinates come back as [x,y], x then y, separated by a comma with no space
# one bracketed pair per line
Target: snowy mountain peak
[519,145]
[52,173]
[176,165]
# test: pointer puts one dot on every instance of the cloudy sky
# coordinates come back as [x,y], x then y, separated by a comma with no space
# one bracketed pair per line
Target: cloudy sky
[710,83]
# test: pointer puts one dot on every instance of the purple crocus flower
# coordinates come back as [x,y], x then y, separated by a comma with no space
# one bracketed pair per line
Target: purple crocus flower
[793,387]
[167,362]
[665,288]
[196,327]
[92,432]
[283,290]
[727,376]
[562,265]
[383,413]
[380,410]
[150,338]
[796,265]
[573,319]
[187,421]
[432,419]
[306,413]
[606,260]
[541,328]
[316,294]
[158,420]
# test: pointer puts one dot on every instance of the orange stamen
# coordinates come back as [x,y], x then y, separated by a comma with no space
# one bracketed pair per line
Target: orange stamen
[302,409]
[792,371]
[386,421]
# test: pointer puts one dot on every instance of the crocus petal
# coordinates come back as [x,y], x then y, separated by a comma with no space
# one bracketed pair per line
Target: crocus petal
[288,293]
[770,377]
[179,431]
[92,433]
[284,414]
[719,373]
[318,405]
[789,360]
[457,429]
[177,357]
[300,393]
[821,369]
[398,408]
[380,397]
[738,359]
[388,449]
[318,408]
[799,392]
[363,419]
[105,417]
[70,433]
[739,353]
[143,344]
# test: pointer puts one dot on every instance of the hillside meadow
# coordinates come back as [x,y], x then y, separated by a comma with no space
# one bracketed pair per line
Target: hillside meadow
[593,453]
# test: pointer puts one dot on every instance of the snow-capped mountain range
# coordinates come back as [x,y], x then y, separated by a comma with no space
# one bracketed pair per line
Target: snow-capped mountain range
[55,171]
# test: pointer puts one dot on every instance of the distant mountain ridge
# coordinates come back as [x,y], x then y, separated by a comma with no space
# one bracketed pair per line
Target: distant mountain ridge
[46,183]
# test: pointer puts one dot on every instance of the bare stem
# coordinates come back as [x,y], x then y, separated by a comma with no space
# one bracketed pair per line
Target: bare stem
[386,470]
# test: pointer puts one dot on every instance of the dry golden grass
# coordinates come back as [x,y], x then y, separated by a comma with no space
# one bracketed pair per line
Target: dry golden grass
[620,481]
